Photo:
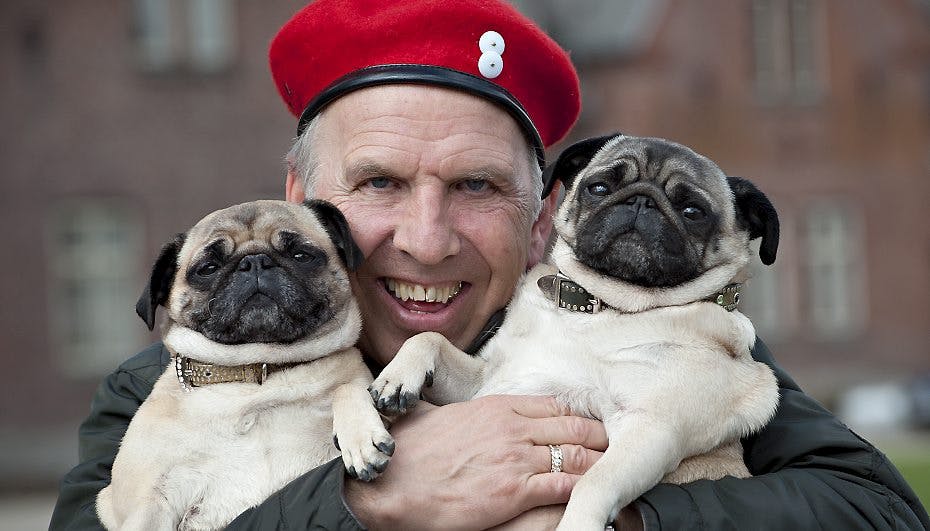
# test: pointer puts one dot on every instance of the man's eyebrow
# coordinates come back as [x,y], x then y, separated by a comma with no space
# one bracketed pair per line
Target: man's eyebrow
[489,173]
[368,168]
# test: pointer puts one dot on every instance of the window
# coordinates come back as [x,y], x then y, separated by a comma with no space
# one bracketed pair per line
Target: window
[761,298]
[196,35]
[596,29]
[94,250]
[836,298]
[786,48]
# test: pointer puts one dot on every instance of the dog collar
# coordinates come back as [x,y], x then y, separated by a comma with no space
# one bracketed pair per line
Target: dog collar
[193,373]
[570,295]
[728,297]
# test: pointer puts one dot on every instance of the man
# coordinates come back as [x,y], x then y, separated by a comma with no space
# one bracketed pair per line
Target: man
[423,121]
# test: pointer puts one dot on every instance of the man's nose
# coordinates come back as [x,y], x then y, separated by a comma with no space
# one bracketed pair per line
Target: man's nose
[426,230]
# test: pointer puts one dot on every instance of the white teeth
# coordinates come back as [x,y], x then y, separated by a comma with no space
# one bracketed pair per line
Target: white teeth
[417,292]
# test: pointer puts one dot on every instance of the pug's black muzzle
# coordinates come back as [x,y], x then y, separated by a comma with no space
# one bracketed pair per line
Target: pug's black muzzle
[262,301]
[635,235]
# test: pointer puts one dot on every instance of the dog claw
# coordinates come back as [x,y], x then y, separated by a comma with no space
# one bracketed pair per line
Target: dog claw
[386,448]
[428,381]
[336,442]
[380,466]
[351,472]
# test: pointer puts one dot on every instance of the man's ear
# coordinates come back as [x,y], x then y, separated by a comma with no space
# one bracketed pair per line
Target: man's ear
[571,161]
[159,286]
[755,212]
[542,228]
[294,188]
[338,229]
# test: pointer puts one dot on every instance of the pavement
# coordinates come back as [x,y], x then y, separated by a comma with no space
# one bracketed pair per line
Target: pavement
[26,512]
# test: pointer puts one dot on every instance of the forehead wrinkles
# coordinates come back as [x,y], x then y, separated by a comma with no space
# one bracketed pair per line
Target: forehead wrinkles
[433,142]
[417,113]
[234,234]
[678,178]
[675,169]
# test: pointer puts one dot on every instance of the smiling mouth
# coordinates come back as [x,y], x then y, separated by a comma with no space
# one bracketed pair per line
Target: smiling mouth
[404,291]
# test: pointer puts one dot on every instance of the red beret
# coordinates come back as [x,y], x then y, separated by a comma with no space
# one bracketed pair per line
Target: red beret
[484,47]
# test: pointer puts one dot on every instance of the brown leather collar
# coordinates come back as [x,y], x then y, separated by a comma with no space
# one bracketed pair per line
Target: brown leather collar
[193,373]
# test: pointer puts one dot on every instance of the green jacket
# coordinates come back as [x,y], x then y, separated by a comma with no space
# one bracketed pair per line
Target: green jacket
[811,472]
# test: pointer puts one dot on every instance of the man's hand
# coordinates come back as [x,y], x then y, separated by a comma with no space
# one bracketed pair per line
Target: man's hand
[543,518]
[476,464]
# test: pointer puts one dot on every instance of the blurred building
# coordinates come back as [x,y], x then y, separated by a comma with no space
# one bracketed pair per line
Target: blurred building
[825,104]
[126,121]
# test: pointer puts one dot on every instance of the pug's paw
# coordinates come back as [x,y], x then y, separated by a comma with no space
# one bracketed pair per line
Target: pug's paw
[400,384]
[365,452]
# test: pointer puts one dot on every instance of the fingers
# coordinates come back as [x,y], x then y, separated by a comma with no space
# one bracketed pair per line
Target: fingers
[549,422]
[548,489]
[535,406]
[576,459]
[589,433]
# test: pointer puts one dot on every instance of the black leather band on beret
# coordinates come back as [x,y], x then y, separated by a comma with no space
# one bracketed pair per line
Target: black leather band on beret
[425,75]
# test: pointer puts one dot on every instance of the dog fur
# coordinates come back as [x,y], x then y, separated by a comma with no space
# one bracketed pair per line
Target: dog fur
[668,372]
[196,458]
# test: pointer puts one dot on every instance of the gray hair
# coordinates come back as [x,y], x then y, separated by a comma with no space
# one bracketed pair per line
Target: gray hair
[303,161]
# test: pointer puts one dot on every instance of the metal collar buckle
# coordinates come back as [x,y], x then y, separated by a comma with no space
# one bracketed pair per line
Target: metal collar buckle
[568,294]
[728,297]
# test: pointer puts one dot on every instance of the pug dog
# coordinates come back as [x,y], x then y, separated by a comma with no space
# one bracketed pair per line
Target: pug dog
[633,324]
[261,324]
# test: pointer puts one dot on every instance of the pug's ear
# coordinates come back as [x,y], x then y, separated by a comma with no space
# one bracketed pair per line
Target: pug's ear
[571,161]
[755,212]
[338,229]
[159,286]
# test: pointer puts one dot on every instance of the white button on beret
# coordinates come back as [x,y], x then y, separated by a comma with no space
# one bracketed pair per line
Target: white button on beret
[491,41]
[490,65]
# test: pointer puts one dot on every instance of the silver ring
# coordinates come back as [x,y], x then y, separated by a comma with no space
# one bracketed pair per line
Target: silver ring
[555,454]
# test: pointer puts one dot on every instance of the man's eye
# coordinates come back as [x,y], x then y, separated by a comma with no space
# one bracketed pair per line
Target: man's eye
[379,182]
[475,185]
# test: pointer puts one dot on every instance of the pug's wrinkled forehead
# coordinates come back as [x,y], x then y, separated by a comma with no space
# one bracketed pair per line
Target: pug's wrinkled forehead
[676,169]
[252,228]
[658,160]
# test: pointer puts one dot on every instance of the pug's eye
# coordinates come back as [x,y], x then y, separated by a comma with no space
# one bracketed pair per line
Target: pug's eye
[305,254]
[207,269]
[693,213]
[598,189]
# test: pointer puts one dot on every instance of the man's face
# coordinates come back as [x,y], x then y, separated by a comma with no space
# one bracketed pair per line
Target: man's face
[437,188]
